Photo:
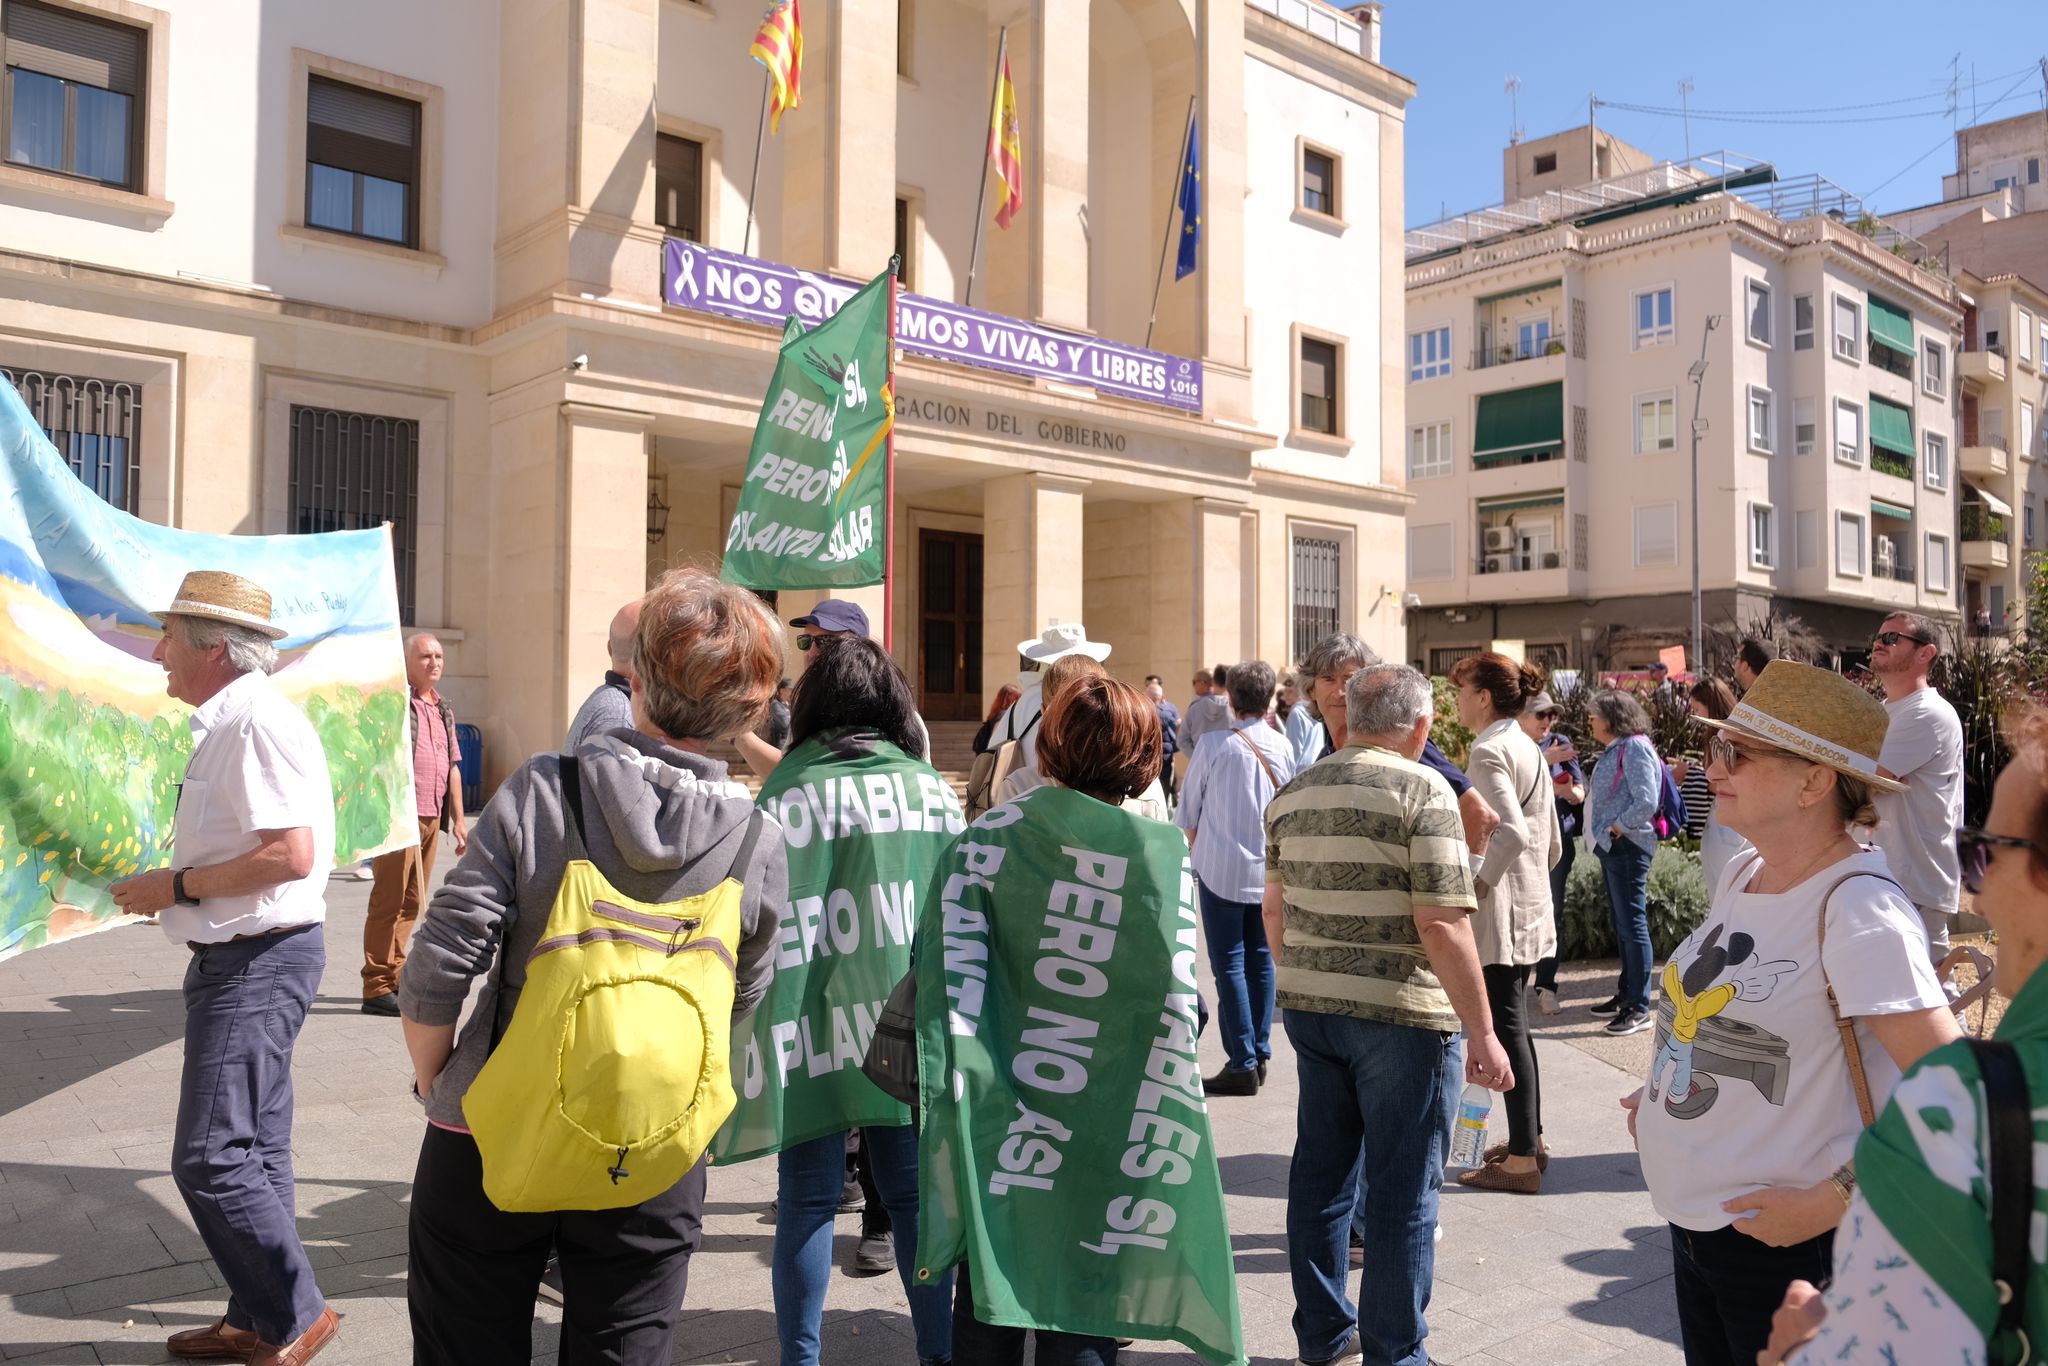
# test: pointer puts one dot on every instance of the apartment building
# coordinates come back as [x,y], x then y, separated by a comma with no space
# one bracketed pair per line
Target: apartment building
[2003,368]
[1553,344]
[486,269]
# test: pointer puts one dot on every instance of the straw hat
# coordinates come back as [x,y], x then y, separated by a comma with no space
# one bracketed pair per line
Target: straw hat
[220,596]
[1816,714]
[1061,641]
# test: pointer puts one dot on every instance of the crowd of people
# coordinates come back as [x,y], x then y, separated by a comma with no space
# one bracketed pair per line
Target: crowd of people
[666,968]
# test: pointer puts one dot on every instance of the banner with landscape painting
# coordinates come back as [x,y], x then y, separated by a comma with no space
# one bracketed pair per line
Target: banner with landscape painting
[91,747]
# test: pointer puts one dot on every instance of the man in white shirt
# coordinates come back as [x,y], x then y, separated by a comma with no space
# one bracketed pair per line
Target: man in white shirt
[1924,750]
[254,841]
[1020,722]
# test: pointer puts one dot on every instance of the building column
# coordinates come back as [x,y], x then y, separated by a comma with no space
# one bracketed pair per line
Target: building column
[1032,564]
[1052,88]
[1219,65]
[839,176]
[1198,587]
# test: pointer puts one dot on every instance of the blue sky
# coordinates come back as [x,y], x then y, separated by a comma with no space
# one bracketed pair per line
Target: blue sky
[1742,58]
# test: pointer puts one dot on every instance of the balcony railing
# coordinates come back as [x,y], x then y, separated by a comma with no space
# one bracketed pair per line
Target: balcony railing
[1890,462]
[1982,524]
[1995,440]
[1515,562]
[1899,567]
[1514,352]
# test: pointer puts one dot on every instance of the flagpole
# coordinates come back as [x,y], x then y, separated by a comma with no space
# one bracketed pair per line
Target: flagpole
[1180,172]
[889,477]
[995,95]
[760,134]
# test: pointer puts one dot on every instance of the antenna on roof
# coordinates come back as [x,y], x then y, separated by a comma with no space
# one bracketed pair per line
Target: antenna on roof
[1514,88]
[1685,89]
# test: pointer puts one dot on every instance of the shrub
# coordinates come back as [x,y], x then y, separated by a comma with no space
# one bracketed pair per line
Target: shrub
[1449,733]
[1678,903]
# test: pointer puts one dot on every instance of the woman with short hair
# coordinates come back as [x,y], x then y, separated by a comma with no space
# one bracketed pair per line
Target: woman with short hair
[1621,810]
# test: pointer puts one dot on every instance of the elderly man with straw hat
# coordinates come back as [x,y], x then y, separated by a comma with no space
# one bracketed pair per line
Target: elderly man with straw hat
[254,839]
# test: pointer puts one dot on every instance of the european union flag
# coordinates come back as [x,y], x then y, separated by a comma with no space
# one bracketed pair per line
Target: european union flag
[1190,205]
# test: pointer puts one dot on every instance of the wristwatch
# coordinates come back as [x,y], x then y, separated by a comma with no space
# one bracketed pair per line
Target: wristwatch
[178,889]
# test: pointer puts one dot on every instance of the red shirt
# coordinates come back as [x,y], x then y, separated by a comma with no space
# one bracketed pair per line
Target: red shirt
[434,751]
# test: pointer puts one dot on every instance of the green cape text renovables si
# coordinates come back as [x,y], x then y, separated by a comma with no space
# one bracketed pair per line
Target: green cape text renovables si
[811,512]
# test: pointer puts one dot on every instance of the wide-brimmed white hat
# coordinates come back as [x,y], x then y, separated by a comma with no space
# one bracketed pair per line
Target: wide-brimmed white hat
[1816,714]
[1060,641]
[218,595]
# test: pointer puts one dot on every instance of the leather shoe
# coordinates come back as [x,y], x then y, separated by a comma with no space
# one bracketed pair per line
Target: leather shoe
[215,1342]
[1262,1071]
[387,1004]
[1231,1083]
[305,1349]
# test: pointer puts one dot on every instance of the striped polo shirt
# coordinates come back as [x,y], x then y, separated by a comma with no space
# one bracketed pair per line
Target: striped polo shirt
[1356,843]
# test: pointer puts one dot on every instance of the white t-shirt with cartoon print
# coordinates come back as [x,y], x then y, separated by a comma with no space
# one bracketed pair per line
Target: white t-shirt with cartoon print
[1749,1085]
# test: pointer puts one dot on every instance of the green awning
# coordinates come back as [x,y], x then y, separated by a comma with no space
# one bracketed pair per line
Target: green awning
[1884,509]
[1520,420]
[1891,426]
[1518,293]
[1891,325]
[1552,500]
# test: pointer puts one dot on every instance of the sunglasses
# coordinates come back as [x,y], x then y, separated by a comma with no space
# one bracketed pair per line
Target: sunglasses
[1973,850]
[1894,637]
[1731,756]
[809,642]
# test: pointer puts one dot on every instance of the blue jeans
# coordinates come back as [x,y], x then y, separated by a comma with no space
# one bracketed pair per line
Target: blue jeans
[231,1154]
[1626,866]
[1372,1122]
[1243,966]
[1546,968]
[809,1178]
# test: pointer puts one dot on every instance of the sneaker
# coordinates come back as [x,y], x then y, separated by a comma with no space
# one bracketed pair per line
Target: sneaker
[875,1254]
[362,872]
[851,1199]
[1546,1000]
[1630,1022]
[1610,1006]
[1349,1352]
[551,1280]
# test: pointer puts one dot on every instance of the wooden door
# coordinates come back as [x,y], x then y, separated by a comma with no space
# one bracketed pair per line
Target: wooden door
[949,625]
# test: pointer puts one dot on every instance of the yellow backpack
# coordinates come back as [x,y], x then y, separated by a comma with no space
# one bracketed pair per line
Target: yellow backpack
[613,1075]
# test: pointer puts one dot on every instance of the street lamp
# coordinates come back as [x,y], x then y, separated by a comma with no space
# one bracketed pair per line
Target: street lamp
[1697,373]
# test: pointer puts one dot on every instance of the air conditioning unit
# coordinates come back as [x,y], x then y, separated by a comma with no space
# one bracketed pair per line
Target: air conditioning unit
[1499,564]
[1553,559]
[1883,554]
[1499,538]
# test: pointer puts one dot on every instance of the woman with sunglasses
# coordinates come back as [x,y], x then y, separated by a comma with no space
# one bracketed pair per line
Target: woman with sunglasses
[1913,1273]
[1785,1017]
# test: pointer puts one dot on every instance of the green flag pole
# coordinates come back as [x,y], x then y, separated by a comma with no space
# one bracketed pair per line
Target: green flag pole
[889,473]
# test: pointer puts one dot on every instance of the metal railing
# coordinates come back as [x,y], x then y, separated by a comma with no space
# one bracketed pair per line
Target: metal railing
[1514,352]
[1515,562]
[1900,568]
[1995,440]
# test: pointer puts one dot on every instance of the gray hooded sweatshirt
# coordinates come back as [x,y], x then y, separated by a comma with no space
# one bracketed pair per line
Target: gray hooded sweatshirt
[661,824]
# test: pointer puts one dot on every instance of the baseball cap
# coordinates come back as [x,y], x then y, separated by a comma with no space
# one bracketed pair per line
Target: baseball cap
[835,614]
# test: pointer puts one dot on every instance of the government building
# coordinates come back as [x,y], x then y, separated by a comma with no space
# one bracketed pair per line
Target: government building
[488,270]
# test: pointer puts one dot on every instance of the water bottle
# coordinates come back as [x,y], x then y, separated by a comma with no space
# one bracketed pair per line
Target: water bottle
[1468,1138]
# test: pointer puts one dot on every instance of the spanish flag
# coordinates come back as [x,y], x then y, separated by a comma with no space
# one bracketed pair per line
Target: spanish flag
[779,46]
[1006,144]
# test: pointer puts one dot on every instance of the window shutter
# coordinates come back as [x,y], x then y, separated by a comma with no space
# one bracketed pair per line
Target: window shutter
[353,129]
[1432,552]
[74,48]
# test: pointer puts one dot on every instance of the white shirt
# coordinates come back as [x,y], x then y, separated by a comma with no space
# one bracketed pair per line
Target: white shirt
[1774,1104]
[256,765]
[1917,828]
[1016,723]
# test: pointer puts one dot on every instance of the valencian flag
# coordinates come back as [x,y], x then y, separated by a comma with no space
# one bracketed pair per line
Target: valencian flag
[811,511]
[1065,1153]
[1006,144]
[1190,204]
[779,46]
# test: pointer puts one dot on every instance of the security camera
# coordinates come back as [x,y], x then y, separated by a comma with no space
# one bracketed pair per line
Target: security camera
[579,363]
[1411,599]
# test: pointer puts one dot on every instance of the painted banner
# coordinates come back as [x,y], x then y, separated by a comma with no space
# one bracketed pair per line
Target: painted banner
[712,281]
[1066,1151]
[865,825]
[811,512]
[92,748]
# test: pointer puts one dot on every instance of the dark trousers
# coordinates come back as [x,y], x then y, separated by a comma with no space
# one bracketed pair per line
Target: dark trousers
[231,1155]
[475,1269]
[1729,1285]
[1507,994]
[1546,969]
[984,1344]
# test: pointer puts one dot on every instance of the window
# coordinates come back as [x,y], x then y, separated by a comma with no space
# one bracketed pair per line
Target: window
[1656,423]
[1937,459]
[1656,534]
[1318,590]
[1848,432]
[2026,337]
[95,424]
[1432,552]
[1319,386]
[1848,329]
[350,471]
[1429,353]
[1849,545]
[1760,419]
[1319,182]
[1802,426]
[74,94]
[906,25]
[2027,522]
[1805,539]
[1429,450]
[1759,312]
[2044,341]
[1937,563]
[1934,369]
[906,222]
[2033,170]
[1802,322]
[1545,163]
[1653,318]
[1763,536]
[2026,427]
[362,162]
[679,186]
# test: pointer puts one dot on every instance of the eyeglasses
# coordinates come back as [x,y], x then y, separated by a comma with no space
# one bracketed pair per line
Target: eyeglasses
[1894,637]
[808,642]
[1973,850]
[1730,756]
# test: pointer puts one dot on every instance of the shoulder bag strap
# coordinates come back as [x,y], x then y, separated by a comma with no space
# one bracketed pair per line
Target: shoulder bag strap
[572,800]
[1264,763]
[747,843]
[1032,724]
[2010,1125]
[1858,1080]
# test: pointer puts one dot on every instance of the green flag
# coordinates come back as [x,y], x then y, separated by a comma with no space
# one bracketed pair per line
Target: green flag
[811,511]
[1066,1151]
[865,825]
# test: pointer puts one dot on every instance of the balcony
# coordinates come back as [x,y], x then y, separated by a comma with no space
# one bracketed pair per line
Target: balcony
[1984,538]
[1883,461]
[1981,367]
[1985,456]
[1515,352]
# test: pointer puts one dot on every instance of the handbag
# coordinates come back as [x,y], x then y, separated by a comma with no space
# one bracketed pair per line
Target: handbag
[2010,1125]
[891,1061]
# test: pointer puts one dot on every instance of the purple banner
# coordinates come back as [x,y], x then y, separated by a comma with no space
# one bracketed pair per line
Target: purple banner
[708,280]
